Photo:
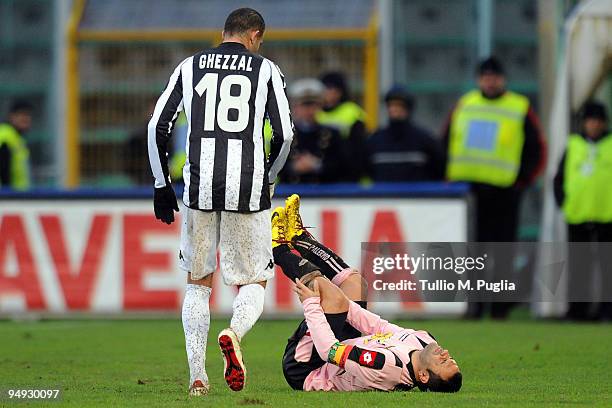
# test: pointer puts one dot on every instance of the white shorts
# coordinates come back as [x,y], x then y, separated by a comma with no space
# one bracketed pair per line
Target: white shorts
[244,241]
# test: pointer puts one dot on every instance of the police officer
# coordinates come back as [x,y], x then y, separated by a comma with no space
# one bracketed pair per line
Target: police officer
[403,151]
[317,154]
[348,118]
[14,153]
[582,190]
[494,142]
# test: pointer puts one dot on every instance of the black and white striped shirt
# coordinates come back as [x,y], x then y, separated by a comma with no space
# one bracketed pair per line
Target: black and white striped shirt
[226,92]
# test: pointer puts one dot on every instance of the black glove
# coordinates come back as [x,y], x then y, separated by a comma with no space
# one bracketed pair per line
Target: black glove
[164,203]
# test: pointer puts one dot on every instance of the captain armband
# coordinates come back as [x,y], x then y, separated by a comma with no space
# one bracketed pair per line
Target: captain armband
[338,353]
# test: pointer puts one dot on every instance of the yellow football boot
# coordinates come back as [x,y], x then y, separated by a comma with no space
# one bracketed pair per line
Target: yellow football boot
[279,227]
[295,228]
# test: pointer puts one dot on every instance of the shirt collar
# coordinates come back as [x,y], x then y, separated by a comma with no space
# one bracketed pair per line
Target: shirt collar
[232,45]
[410,367]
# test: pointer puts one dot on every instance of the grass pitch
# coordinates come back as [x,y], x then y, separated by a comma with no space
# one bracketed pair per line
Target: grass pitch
[142,363]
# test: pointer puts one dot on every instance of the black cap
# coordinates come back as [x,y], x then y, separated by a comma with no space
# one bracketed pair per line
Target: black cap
[595,110]
[334,80]
[21,105]
[491,65]
[400,93]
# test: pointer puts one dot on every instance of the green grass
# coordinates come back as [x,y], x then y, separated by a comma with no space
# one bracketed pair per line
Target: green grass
[142,363]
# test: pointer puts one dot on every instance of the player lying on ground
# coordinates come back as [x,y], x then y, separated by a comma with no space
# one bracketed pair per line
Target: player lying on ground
[327,351]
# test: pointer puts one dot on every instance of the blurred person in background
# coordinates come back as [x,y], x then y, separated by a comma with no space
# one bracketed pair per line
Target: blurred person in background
[403,151]
[316,152]
[135,157]
[494,141]
[14,152]
[582,190]
[136,165]
[340,113]
[179,157]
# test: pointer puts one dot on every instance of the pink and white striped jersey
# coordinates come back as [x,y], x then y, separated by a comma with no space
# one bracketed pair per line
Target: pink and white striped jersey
[380,360]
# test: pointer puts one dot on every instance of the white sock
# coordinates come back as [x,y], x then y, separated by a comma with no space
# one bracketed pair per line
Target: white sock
[196,322]
[247,307]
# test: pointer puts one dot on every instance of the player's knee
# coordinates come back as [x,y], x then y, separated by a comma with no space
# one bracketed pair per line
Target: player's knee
[355,287]
[261,283]
[332,298]
[363,285]
[205,281]
[357,280]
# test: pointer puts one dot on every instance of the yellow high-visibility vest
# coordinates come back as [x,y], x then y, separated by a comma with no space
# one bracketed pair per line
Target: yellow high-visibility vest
[20,174]
[342,117]
[179,157]
[586,183]
[267,132]
[487,138]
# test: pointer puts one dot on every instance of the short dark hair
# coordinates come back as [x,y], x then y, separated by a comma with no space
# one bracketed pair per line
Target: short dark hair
[594,110]
[242,20]
[336,79]
[491,65]
[437,384]
[400,93]
[21,105]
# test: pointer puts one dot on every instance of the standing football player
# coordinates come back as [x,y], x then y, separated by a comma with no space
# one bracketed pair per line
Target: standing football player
[226,93]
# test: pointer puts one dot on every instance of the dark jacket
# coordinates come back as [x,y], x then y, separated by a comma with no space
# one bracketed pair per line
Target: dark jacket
[322,142]
[403,151]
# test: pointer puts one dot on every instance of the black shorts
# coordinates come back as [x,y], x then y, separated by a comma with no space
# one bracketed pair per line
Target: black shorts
[296,372]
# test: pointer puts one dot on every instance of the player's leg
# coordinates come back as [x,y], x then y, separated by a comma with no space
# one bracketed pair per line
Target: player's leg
[334,298]
[328,262]
[296,267]
[246,262]
[292,265]
[196,323]
[197,257]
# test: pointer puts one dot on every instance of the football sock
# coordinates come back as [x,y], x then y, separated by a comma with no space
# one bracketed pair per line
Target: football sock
[293,266]
[340,327]
[324,258]
[363,304]
[196,321]
[247,307]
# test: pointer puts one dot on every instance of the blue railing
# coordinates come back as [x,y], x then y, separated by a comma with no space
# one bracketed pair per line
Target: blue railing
[415,190]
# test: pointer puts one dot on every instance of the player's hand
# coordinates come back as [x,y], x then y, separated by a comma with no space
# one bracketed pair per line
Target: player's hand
[306,163]
[164,204]
[304,291]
